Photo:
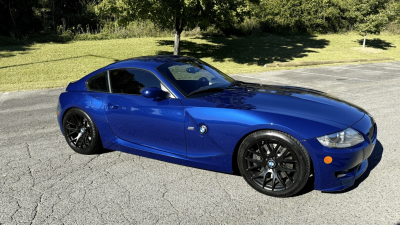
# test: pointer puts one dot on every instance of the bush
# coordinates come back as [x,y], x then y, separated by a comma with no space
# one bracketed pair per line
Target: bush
[4,41]
[393,28]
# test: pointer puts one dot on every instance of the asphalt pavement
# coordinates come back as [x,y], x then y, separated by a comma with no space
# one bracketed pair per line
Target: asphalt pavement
[42,181]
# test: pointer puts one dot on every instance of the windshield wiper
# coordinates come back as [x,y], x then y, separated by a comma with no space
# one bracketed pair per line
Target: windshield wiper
[236,83]
[214,89]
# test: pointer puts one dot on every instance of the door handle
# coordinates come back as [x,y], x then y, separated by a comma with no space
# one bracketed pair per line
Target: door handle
[113,106]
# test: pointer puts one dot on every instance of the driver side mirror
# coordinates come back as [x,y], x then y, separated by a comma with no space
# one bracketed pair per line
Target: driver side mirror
[153,92]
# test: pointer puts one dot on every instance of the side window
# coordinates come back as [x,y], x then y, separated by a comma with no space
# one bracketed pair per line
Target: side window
[98,83]
[130,81]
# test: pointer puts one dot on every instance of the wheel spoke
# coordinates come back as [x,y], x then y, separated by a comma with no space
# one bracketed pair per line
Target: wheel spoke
[277,147]
[254,167]
[284,169]
[77,120]
[264,180]
[257,175]
[254,152]
[253,160]
[262,150]
[70,122]
[71,130]
[289,161]
[269,147]
[273,181]
[280,179]
[290,178]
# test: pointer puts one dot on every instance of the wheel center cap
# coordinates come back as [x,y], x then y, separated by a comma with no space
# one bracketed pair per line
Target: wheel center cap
[82,130]
[271,164]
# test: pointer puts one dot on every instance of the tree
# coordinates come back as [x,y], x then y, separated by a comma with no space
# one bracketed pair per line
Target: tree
[176,14]
[300,15]
[369,16]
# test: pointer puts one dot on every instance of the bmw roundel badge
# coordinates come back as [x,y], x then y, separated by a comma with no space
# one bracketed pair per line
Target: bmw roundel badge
[203,129]
[271,164]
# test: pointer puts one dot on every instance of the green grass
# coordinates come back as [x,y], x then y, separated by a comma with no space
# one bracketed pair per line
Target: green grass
[51,65]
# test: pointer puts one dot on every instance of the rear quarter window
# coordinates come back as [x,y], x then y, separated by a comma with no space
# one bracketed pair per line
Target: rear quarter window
[98,83]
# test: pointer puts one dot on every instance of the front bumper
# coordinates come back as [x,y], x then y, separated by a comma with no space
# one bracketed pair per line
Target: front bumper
[347,164]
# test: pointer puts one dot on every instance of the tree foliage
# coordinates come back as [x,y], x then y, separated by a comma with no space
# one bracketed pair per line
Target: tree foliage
[175,14]
[22,18]
[368,16]
[301,15]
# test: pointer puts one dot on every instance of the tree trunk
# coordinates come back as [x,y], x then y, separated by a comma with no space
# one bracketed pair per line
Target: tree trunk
[177,47]
[9,8]
[365,38]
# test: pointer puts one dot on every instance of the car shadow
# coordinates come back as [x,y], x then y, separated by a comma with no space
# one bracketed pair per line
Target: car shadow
[376,43]
[104,151]
[373,161]
[251,50]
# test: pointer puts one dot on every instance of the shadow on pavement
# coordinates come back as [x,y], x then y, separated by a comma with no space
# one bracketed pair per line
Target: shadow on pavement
[104,151]
[257,50]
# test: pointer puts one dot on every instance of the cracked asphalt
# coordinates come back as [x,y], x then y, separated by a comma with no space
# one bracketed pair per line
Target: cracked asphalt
[42,181]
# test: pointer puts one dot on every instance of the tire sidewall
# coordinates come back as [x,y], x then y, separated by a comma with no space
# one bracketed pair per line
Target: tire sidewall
[296,147]
[93,129]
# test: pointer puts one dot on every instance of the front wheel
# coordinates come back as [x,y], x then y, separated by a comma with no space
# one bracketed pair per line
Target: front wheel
[80,132]
[274,163]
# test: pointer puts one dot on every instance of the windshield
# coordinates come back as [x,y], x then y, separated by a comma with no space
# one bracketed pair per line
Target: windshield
[192,76]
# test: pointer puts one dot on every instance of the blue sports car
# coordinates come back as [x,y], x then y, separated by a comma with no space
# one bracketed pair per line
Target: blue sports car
[183,110]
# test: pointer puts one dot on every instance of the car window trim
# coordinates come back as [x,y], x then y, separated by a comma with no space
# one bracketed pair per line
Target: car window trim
[161,82]
[109,81]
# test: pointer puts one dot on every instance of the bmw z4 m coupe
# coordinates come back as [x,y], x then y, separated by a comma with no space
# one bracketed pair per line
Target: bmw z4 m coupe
[183,110]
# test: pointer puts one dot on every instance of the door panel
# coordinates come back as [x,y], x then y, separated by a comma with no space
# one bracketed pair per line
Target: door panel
[140,120]
[144,121]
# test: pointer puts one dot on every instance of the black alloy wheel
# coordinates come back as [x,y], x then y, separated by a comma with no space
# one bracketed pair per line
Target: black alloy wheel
[274,163]
[80,132]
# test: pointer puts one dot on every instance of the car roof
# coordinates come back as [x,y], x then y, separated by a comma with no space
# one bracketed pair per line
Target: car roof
[148,61]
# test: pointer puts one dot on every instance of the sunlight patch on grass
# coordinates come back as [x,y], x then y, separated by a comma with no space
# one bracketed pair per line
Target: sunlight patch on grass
[367,50]
[55,65]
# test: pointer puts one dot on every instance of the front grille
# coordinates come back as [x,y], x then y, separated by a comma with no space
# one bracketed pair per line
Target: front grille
[371,132]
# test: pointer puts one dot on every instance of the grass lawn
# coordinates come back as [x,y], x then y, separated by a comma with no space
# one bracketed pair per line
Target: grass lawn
[55,65]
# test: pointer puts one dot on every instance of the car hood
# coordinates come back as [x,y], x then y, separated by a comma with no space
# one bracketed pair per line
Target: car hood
[294,101]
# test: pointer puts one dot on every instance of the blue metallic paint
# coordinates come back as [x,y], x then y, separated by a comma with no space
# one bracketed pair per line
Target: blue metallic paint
[159,129]
[140,120]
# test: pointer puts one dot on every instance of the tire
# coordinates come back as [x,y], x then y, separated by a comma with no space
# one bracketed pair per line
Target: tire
[274,163]
[80,132]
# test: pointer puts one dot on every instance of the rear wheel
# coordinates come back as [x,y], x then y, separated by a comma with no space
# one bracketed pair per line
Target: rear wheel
[80,132]
[274,163]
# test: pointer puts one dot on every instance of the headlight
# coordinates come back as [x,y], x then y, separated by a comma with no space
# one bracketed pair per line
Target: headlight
[342,139]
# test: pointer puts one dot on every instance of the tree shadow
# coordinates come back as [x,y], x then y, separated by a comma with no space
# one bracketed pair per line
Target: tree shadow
[10,47]
[11,50]
[253,50]
[55,60]
[376,43]
[373,161]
